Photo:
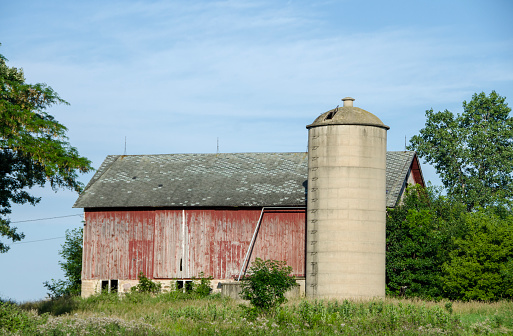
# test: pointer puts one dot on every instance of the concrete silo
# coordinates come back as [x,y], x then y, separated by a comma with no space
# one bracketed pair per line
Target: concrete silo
[346,210]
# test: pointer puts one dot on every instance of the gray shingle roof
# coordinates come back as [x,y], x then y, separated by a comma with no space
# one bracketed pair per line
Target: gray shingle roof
[221,180]
[398,166]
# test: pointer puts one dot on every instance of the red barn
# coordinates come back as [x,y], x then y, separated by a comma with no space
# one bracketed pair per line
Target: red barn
[175,216]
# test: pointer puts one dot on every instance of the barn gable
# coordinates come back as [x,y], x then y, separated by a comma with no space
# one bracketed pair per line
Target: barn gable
[403,168]
[219,180]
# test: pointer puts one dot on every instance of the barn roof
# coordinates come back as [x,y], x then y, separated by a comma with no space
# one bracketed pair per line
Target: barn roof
[221,180]
[398,169]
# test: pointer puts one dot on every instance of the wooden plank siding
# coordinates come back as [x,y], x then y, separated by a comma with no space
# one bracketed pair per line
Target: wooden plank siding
[118,244]
[282,237]
[181,243]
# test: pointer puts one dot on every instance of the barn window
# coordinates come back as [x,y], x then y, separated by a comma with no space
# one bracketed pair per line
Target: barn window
[114,286]
[110,286]
[188,286]
[105,286]
[184,285]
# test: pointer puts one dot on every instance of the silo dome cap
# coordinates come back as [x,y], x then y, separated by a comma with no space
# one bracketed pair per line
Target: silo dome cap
[348,115]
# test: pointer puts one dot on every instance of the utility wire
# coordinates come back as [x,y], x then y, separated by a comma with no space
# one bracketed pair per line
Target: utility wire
[35,241]
[40,219]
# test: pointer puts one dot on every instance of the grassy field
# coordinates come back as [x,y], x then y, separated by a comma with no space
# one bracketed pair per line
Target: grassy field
[184,314]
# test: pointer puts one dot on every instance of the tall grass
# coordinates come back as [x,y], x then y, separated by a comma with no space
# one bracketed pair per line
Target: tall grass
[178,313]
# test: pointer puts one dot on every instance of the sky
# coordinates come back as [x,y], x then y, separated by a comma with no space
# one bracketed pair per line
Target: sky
[185,76]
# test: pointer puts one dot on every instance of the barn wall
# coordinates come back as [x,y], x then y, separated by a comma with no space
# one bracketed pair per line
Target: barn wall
[118,244]
[282,237]
[417,172]
[168,244]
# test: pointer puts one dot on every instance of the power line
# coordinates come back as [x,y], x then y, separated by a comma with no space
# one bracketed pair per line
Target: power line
[35,241]
[40,219]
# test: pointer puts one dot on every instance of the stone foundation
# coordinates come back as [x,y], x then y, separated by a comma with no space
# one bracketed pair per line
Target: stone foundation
[91,287]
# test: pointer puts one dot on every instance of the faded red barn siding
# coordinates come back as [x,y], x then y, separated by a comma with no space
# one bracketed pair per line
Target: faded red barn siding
[417,173]
[168,242]
[217,241]
[118,244]
[182,243]
[282,237]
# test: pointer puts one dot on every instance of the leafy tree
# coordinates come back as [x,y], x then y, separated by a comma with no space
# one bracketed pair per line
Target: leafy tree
[71,254]
[436,248]
[266,284]
[418,242]
[472,152]
[34,149]
[480,266]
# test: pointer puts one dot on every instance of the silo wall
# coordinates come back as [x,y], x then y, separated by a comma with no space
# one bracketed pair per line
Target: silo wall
[346,214]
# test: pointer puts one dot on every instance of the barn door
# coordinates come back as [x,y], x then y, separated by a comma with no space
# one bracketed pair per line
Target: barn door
[169,244]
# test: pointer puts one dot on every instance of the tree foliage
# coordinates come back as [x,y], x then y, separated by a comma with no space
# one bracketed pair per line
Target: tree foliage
[437,248]
[34,149]
[71,264]
[266,284]
[480,266]
[419,235]
[473,151]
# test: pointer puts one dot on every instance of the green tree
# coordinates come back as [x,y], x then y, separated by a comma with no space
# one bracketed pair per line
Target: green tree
[34,149]
[480,266]
[71,264]
[418,241]
[473,151]
[266,284]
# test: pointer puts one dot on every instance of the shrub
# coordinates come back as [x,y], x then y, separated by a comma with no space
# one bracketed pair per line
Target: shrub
[203,289]
[145,285]
[266,284]
[479,268]
[15,320]
[418,240]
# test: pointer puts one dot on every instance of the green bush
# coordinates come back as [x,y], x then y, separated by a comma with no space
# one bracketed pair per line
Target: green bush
[479,267]
[15,320]
[266,284]
[419,238]
[145,285]
[204,288]
[437,248]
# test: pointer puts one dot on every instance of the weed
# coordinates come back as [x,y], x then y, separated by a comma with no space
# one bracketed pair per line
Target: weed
[179,313]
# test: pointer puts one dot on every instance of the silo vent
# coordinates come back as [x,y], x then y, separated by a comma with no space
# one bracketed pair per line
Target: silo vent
[332,113]
[348,101]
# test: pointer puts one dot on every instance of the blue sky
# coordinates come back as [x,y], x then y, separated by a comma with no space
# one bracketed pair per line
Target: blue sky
[173,76]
